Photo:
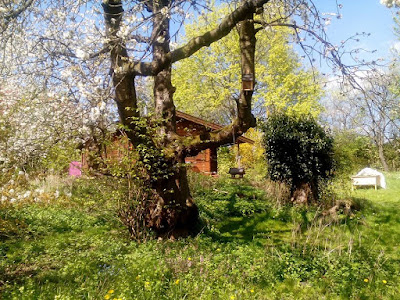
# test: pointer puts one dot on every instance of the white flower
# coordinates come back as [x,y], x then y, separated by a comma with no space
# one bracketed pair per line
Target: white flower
[40,191]
[3,198]
[21,173]
[164,11]
[11,191]
[27,194]
[390,3]
[12,200]
[57,194]
[81,54]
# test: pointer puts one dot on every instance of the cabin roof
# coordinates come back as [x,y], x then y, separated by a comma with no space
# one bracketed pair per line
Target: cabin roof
[210,125]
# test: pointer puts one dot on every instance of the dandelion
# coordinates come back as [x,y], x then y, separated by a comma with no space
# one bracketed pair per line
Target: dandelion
[111,291]
[366,280]
[232,297]
[189,258]
[177,281]
[251,291]
[147,284]
[384,281]
[107,296]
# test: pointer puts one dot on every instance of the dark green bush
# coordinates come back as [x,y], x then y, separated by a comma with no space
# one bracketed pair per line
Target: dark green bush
[298,150]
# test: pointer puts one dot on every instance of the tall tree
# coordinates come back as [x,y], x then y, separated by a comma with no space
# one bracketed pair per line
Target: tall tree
[379,110]
[213,74]
[68,46]
[372,111]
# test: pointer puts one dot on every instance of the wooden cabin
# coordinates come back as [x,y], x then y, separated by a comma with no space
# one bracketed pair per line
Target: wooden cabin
[205,162]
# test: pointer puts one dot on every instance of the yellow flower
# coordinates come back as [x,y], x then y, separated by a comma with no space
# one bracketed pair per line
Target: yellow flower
[189,258]
[251,291]
[107,296]
[111,291]
[366,280]
[232,297]
[177,281]
[138,277]
[384,281]
[147,283]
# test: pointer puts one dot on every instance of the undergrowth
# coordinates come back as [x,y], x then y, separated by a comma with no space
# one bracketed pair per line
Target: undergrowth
[75,247]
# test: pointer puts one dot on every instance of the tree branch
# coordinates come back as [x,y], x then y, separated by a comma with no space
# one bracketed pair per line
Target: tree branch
[13,14]
[245,118]
[195,44]
[125,93]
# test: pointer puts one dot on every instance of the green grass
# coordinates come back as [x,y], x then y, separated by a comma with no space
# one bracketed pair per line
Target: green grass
[249,248]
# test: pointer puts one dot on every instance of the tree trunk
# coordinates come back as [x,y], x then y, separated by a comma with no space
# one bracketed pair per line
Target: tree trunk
[174,214]
[382,157]
[304,193]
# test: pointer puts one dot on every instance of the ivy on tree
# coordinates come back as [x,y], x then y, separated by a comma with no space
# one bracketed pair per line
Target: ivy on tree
[299,152]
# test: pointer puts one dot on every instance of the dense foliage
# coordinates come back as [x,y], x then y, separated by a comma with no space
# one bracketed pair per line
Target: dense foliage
[298,150]
[353,152]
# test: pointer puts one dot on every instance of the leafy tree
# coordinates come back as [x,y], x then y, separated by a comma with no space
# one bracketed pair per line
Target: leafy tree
[289,87]
[372,110]
[213,74]
[94,51]
[353,152]
[300,153]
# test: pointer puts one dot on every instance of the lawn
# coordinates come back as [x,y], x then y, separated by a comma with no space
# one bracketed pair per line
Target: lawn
[74,247]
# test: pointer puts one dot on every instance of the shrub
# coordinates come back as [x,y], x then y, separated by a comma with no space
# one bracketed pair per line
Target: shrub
[352,152]
[299,152]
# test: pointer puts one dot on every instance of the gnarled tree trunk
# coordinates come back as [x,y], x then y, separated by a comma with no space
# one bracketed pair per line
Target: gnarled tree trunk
[304,193]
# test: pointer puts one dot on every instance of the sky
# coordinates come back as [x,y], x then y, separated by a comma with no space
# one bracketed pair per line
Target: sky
[363,16]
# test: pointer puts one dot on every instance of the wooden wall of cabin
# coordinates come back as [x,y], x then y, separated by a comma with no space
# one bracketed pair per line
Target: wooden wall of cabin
[205,162]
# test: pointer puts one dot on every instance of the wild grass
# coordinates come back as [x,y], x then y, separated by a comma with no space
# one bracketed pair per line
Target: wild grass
[75,247]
